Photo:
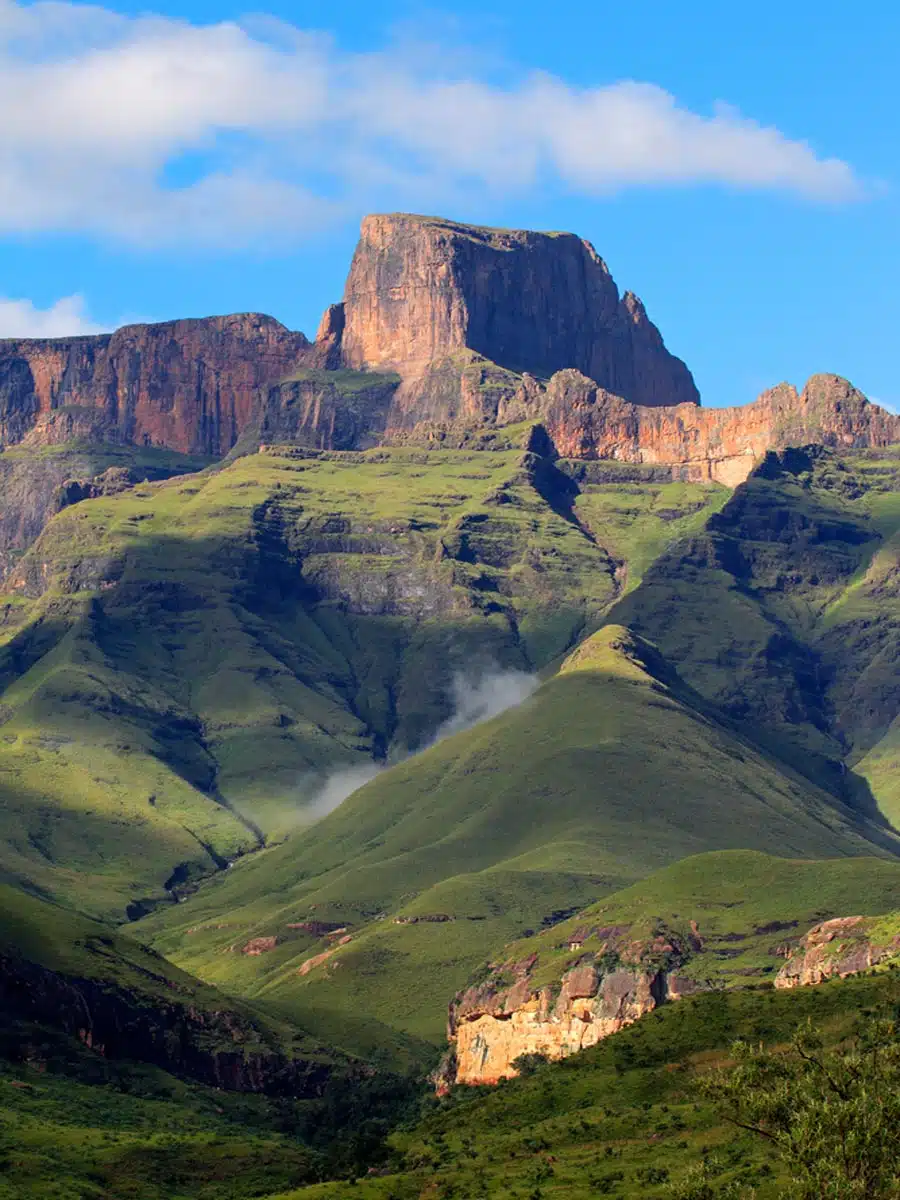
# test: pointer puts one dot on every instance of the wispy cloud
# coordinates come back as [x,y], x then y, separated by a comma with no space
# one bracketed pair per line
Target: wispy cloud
[149,130]
[66,318]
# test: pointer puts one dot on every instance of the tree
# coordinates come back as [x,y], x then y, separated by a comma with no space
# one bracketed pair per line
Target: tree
[833,1114]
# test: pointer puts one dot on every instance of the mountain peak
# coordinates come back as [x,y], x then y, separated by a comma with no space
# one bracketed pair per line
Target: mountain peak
[421,288]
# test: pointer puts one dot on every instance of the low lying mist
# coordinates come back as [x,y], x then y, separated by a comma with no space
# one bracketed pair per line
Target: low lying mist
[476,698]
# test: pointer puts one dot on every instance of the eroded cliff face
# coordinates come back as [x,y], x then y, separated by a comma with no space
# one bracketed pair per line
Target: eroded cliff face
[514,1012]
[721,444]
[841,947]
[445,331]
[421,289]
[189,385]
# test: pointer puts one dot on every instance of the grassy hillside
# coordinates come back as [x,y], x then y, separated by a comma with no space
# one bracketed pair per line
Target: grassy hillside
[744,906]
[184,663]
[623,1119]
[121,1076]
[612,769]
[788,611]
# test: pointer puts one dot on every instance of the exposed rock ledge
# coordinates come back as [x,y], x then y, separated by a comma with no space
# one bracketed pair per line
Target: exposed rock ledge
[495,1022]
[839,948]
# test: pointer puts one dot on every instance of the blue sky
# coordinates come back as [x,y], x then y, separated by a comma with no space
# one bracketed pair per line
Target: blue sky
[736,165]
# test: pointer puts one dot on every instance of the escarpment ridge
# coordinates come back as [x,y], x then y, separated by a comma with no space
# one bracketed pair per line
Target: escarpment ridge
[445,330]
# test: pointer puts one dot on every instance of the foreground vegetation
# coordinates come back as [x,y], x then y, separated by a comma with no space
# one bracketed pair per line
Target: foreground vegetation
[636,1116]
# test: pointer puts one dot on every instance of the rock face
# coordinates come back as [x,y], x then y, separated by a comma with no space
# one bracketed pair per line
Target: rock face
[221,1048]
[722,444]
[838,948]
[187,385]
[445,331]
[421,289]
[495,1022]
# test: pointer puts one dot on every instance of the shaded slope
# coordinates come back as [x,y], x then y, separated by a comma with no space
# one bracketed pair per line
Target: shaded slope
[120,1075]
[610,770]
[185,662]
[76,977]
[789,610]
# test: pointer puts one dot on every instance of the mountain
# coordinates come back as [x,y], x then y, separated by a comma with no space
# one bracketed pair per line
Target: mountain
[422,288]
[788,610]
[610,770]
[188,385]
[459,652]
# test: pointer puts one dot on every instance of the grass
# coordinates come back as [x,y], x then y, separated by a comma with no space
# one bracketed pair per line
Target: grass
[745,905]
[787,612]
[609,771]
[142,1137]
[178,1091]
[622,1119]
[186,661]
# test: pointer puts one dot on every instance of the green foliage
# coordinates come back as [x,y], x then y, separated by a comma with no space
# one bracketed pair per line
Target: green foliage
[832,1112]
[527,1064]
[582,1128]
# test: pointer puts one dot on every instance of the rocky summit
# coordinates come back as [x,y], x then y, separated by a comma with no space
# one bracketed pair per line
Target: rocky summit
[445,330]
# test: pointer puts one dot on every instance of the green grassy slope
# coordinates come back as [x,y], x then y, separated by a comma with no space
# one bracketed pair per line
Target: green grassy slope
[183,663]
[788,611]
[623,1119]
[121,1076]
[612,769]
[745,905]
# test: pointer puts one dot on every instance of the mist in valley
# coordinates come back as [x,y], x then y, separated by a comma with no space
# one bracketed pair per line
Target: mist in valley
[476,698]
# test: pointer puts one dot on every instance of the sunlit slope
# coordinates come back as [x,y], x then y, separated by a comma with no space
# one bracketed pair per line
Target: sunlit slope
[736,907]
[184,663]
[612,769]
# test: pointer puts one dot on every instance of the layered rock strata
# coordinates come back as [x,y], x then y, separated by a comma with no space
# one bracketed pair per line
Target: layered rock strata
[722,444]
[445,331]
[510,1015]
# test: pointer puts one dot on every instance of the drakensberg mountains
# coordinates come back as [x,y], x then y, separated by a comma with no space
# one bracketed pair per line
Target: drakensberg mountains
[237,564]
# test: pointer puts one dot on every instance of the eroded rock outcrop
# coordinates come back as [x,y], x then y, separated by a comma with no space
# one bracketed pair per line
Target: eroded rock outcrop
[515,1012]
[722,444]
[841,947]
[189,385]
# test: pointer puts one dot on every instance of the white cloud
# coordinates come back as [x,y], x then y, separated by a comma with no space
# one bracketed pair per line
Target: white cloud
[65,318]
[147,130]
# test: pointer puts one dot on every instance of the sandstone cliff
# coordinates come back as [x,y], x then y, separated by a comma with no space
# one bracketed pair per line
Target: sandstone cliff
[187,385]
[445,331]
[722,444]
[841,947]
[516,1012]
[421,289]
